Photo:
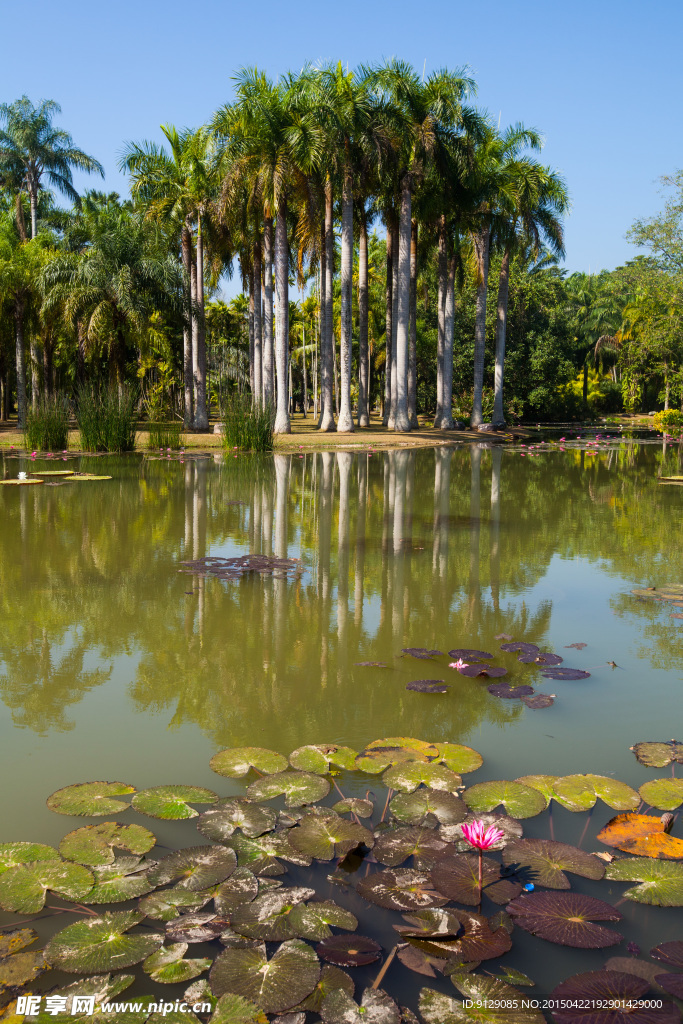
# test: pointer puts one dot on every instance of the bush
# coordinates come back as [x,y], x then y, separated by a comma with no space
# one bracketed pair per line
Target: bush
[106,418]
[668,422]
[47,427]
[164,435]
[246,426]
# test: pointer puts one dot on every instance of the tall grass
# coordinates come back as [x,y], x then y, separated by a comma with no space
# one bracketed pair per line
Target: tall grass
[47,426]
[246,426]
[164,435]
[106,418]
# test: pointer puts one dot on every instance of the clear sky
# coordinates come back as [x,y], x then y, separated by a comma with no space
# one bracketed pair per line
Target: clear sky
[600,78]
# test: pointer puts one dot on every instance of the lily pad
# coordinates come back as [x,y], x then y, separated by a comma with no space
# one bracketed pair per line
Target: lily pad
[102,987]
[576,998]
[545,658]
[669,953]
[426,806]
[354,805]
[427,686]
[380,754]
[641,834]
[539,700]
[376,1007]
[671,983]
[320,757]
[236,762]
[21,968]
[395,845]
[520,646]
[509,692]
[349,950]
[167,966]
[658,755]
[470,652]
[95,844]
[232,1009]
[123,880]
[331,978]
[415,960]
[565,673]
[194,868]
[13,854]
[579,792]
[312,920]
[325,836]
[193,928]
[665,794]
[268,917]
[543,783]
[459,936]
[661,880]
[220,821]
[459,758]
[261,854]
[298,788]
[566,918]
[422,653]
[100,944]
[90,799]
[23,889]
[172,803]
[492,671]
[242,887]
[276,984]
[168,904]
[17,939]
[518,800]
[401,889]
[488,1000]
[548,860]
[457,877]
[408,775]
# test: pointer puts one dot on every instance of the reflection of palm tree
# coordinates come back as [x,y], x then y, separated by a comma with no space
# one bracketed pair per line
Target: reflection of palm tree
[494,526]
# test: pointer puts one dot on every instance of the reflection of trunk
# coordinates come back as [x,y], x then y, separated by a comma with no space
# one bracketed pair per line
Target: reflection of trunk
[359,567]
[399,467]
[442,489]
[256,525]
[363,364]
[344,463]
[21,363]
[327,342]
[440,306]
[268,361]
[474,591]
[282,471]
[496,458]
[325,525]
[388,323]
[412,361]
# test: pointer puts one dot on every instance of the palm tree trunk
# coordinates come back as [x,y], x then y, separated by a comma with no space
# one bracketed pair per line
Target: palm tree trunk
[501,325]
[363,367]
[389,324]
[303,356]
[33,198]
[80,356]
[250,320]
[35,378]
[448,324]
[268,361]
[481,249]
[345,422]
[21,363]
[412,359]
[201,416]
[282,424]
[186,248]
[394,318]
[327,340]
[258,343]
[402,419]
[336,373]
[440,304]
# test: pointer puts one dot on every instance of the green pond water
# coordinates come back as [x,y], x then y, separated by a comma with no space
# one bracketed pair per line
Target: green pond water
[115,664]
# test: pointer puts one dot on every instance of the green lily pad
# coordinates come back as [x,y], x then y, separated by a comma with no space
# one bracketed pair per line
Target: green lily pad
[262,854]
[298,788]
[519,801]
[168,904]
[661,881]
[18,938]
[376,1007]
[457,877]
[23,889]
[195,868]
[200,992]
[459,936]
[487,1002]
[380,754]
[123,880]
[658,755]
[202,927]
[331,979]
[167,966]
[665,794]
[13,854]
[614,793]
[496,991]
[242,887]
[428,806]
[354,805]
[400,889]
[543,783]
[103,987]
[232,1009]
[95,844]
[395,845]
[312,920]
[21,968]
[269,916]
[275,985]
[328,835]
[408,775]
[579,792]
[318,758]
[459,758]
[219,822]
[100,944]
[172,802]
[90,799]
[549,860]
[236,762]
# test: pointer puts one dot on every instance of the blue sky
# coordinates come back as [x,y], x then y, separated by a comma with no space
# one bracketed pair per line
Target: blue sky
[600,79]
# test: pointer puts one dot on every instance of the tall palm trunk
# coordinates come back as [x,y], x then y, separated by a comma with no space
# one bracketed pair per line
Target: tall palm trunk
[33,198]
[394,319]
[250,321]
[501,326]
[440,305]
[21,363]
[402,419]
[282,424]
[80,355]
[345,423]
[303,360]
[201,416]
[327,341]
[389,324]
[481,249]
[258,338]
[363,367]
[268,360]
[448,325]
[412,357]
[35,378]
[186,249]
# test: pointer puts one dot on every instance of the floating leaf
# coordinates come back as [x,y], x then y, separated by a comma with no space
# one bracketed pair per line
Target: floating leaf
[376,1007]
[669,953]
[298,788]
[237,761]
[380,754]
[168,904]
[665,794]
[168,967]
[415,960]
[318,758]
[349,950]
[492,998]
[427,686]
[641,834]
[548,860]
[13,854]
[658,755]
[123,880]
[23,889]
[661,880]
[510,827]
[615,794]
[195,868]
[100,944]
[579,647]
[519,801]
[269,916]
[459,936]
[103,987]
[544,658]
[331,979]
[524,648]
[312,920]
[354,805]
[21,968]
[467,652]
[503,690]
[631,965]
[620,994]
[328,835]
[90,798]
[400,889]
[566,918]
[538,700]
[395,845]
[543,783]
[261,854]
[172,802]
[564,673]
[428,805]
[274,985]
[220,821]
[232,1009]
[196,927]
[18,938]
[408,775]
[242,887]
[457,877]
[671,983]
[95,844]
[575,792]
[421,652]
[459,758]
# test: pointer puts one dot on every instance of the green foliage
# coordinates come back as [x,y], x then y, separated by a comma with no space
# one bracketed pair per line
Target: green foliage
[164,435]
[668,421]
[47,426]
[246,426]
[106,418]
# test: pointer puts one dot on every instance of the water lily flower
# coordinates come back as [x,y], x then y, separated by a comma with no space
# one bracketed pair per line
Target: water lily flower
[458,664]
[482,838]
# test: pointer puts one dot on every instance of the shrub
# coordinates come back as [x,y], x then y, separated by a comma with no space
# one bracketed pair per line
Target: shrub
[106,418]
[246,426]
[668,422]
[47,426]
[164,435]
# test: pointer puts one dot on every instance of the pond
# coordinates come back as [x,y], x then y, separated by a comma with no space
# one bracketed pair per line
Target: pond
[118,661]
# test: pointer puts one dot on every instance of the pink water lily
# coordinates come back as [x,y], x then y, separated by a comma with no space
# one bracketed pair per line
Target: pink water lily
[482,838]
[458,664]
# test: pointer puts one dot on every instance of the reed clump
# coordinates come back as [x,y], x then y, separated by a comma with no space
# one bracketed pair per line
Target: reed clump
[107,418]
[247,426]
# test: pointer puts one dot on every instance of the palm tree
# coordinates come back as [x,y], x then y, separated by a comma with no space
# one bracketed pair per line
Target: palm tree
[32,146]
[20,267]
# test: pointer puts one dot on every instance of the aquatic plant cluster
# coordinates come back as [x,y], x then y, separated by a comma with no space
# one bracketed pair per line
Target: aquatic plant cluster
[443,865]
